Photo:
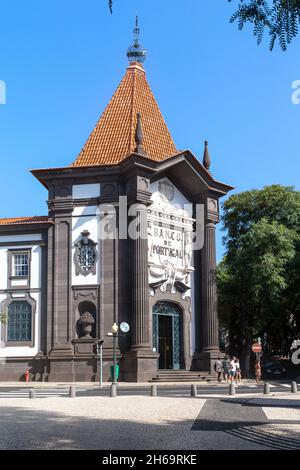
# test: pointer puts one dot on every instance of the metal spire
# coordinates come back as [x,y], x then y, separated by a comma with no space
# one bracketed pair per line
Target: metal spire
[136,30]
[206,156]
[136,53]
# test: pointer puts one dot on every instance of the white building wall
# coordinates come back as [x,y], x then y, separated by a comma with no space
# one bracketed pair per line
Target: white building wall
[178,201]
[36,267]
[85,218]
[20,238]
[3,268]
[25,351]
[35,283]
[86,191]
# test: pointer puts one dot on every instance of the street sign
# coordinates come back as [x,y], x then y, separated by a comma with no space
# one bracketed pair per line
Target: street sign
[124,327]
[256,348]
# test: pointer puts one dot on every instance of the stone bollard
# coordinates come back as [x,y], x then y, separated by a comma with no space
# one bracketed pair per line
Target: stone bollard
[113,390]
[231,389]
[153,391]
[72,391]
[32,393]
[294,388]
[266,388]
[193,390]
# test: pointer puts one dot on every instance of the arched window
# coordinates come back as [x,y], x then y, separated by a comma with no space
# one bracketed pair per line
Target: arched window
[19,323]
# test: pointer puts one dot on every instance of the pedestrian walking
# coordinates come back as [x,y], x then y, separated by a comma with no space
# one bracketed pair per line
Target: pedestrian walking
[257,369]
[238,375]
[226,368]
[218,368]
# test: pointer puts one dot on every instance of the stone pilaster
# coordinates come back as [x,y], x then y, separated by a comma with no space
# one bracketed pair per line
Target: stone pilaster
[60,323]
[206,356]
[210,326]
[140,361]
[140,316]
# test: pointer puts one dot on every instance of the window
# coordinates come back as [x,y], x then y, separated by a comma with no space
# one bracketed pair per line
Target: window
[86,257]
[21,264]
[19,321]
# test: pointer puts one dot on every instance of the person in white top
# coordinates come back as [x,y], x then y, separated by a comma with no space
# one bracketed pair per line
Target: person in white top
[238,371]
[232,369]
[218,368]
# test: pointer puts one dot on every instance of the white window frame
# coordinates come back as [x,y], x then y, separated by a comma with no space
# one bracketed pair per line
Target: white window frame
[14,274]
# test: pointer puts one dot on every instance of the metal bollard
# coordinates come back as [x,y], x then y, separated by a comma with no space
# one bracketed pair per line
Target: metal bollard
[231,389]
[72,391]
[266,388]
[32,393]
[294,388]
[113,390]
[153,391]
[194,390]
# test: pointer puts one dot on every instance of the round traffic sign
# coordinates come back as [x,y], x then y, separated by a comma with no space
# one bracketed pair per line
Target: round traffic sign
[256,348]
[124,327]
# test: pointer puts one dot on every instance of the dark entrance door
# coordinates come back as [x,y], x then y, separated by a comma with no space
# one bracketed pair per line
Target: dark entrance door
[165,342]
[167,335]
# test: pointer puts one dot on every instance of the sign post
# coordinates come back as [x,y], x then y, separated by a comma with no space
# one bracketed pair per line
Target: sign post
[99,345]
[101,364]
[257,349]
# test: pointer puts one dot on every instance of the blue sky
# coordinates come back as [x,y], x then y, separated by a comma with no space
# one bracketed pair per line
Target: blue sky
[62,60]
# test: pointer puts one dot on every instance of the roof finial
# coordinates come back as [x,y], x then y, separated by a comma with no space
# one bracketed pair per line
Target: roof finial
[136,53]
[206,156]
[139,137]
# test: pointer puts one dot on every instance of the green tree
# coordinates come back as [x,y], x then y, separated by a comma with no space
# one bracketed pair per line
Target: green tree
[259,276]
[280,17]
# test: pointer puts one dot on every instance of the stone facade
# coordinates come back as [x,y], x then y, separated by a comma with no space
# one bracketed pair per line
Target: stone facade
[79,265]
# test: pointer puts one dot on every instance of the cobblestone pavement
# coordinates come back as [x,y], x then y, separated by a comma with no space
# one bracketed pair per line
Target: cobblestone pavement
[150,423]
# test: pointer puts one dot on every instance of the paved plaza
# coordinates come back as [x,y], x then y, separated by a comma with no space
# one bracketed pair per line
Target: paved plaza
[209,421]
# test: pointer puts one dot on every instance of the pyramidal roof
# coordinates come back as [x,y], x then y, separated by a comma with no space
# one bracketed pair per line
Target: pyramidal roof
[113,138]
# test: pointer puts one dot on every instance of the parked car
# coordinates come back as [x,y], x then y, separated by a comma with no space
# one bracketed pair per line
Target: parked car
[274,369]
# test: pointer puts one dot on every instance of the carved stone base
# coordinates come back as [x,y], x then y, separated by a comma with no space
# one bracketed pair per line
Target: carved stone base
[61,370]
[139,366]
[205,360]
[61,349]
[83,346]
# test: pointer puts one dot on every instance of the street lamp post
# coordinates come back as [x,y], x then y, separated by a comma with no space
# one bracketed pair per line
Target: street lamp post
[124,327]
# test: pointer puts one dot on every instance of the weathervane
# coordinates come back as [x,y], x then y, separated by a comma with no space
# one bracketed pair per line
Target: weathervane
[136,53]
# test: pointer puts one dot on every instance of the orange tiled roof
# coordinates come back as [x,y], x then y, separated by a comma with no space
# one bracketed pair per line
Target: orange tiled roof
[25,220]
[113,137]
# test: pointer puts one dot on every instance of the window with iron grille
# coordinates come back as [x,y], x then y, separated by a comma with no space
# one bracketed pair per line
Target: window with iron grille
[86,257]
[19,322]
[21,264]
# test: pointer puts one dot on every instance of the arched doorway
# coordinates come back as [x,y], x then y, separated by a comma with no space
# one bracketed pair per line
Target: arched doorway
[167,334]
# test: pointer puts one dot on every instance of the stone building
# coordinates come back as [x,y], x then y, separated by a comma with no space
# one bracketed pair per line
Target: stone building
[66,278]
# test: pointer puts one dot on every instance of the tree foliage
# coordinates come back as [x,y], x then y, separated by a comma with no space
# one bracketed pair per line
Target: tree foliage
[280,17]
[259,277]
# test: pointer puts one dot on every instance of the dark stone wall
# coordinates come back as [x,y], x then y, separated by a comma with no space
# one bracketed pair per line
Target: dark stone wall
[123,293]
